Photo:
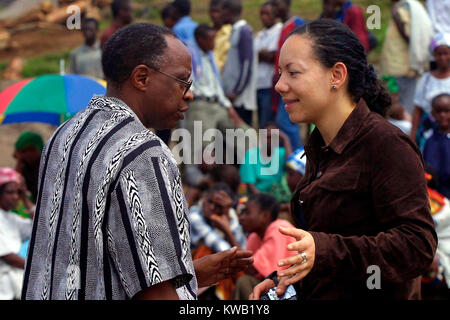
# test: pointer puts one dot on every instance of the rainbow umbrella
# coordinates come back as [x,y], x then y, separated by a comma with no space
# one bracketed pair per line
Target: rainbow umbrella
[49,99]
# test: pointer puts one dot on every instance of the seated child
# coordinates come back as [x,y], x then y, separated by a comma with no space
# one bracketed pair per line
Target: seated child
[259,217]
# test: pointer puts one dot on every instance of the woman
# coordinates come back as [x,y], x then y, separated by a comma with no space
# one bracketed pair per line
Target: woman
[14,230]
[431,84]
[362,204]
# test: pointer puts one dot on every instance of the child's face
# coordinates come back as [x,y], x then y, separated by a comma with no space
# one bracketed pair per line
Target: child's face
[267,16]
[251,217]
[441,113]
[10,196]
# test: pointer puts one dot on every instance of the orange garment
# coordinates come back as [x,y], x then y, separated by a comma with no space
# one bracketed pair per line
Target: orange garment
[224,289]
[268,251]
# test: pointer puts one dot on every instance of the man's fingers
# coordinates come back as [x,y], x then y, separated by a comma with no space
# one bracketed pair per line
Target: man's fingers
[244,254]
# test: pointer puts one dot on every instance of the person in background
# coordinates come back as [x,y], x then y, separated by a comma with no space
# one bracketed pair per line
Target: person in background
[328,9]
[436,151]
[290,22]
[266,46]
[223,33]
[295,168]
[436,281]
[210,106]
[239,72]
[439,12]
[28,149]
[169,16]
[352,16]
[185,26]
[404,54]
[397,115]
[431,82]
[214,222]
[14,230]
[87,59]
[215,227]
[264,166]
[259,218]
[122,12]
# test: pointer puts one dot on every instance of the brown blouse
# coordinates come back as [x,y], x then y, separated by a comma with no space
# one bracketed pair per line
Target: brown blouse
[364,200]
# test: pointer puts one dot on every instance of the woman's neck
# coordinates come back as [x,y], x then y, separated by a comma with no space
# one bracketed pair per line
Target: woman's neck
[441,73]
[330,124]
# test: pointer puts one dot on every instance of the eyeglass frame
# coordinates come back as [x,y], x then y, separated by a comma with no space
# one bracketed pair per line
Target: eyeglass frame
[188,84]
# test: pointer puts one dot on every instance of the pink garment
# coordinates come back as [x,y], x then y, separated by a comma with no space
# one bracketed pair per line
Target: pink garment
[268,251]
[9,175]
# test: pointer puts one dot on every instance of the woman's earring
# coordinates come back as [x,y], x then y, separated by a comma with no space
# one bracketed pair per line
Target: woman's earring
[334,87]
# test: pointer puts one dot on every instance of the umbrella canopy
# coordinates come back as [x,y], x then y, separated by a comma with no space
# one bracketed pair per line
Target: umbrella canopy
[49,99]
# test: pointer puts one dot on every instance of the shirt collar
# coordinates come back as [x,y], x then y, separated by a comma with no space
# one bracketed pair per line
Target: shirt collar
[346,134]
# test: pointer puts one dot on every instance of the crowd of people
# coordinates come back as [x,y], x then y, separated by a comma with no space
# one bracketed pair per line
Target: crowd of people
[238,81]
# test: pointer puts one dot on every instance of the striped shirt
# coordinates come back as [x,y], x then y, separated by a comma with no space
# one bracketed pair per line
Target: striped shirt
[203,232]
[111,217]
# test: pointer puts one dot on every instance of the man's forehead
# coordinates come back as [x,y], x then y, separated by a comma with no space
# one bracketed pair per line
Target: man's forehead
[177,54]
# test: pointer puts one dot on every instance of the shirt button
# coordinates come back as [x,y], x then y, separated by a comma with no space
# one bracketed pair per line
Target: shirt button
[319,174]
[300,201]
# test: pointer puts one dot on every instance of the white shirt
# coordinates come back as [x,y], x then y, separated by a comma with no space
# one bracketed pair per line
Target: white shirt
[14,230]
[429,87]
[439,11]
[207,85]
[267,39]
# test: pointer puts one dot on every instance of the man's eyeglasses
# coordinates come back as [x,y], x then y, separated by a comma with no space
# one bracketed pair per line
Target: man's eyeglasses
[187,84]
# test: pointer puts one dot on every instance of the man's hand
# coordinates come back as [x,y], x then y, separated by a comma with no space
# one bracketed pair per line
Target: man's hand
[237,120]
[216,267]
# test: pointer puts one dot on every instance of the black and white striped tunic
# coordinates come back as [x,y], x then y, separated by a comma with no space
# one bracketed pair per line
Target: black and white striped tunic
[111,217]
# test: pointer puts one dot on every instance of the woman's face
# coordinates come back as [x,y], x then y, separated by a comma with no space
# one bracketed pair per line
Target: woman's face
[9,196]
[304,84]
[442,57]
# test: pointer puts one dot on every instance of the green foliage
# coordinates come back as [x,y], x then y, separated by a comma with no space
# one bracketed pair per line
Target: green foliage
[45,64]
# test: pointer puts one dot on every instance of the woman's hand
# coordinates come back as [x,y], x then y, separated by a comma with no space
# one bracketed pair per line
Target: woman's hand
[299,266]
[261,288]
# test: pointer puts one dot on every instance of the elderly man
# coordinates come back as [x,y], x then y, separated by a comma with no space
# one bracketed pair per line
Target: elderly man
[111,217]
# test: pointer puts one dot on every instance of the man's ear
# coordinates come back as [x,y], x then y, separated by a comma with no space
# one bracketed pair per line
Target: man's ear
[140,77]
[339,75]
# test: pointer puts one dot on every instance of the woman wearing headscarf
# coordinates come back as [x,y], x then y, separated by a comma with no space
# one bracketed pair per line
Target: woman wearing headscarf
[14,230]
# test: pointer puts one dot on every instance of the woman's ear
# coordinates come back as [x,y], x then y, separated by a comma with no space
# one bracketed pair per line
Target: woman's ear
[140,77]
[338,75]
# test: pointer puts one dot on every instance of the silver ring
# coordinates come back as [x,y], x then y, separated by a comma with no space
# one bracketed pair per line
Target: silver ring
[304,260]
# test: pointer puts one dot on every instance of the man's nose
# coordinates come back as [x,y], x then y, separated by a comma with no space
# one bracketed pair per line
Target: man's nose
[189,96]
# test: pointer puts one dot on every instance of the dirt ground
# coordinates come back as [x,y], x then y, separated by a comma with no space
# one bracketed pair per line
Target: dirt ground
[39,41]
[31,43]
